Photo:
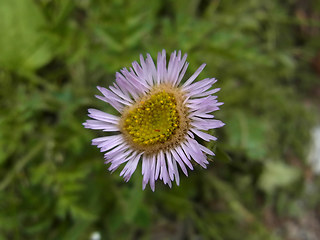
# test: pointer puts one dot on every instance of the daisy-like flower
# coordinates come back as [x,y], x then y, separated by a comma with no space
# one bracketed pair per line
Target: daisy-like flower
[158,119]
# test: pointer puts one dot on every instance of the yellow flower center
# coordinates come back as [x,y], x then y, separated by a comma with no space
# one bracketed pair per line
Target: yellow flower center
[157,122]
[154,120]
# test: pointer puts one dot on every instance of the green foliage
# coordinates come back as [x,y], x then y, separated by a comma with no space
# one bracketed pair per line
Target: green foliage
[53,53]
[277,174]
[23,27]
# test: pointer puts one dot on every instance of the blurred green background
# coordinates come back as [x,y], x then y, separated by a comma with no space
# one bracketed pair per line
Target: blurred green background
[53,183]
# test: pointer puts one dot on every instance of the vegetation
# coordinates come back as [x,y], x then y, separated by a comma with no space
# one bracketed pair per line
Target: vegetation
[53,54]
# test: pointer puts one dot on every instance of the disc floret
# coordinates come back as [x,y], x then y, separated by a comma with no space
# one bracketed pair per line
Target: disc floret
[154,120]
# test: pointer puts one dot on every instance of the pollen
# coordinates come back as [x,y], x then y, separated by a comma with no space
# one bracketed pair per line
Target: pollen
[157,121]
[154,120]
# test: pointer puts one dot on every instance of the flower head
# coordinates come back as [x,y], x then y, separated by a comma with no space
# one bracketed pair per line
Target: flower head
[158,119]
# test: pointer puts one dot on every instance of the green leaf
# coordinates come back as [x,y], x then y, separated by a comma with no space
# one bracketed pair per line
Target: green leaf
[248,133]
[221,155]
[23,42]
[277,174]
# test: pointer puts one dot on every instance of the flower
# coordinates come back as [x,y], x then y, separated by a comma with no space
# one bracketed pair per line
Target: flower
[159,118]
